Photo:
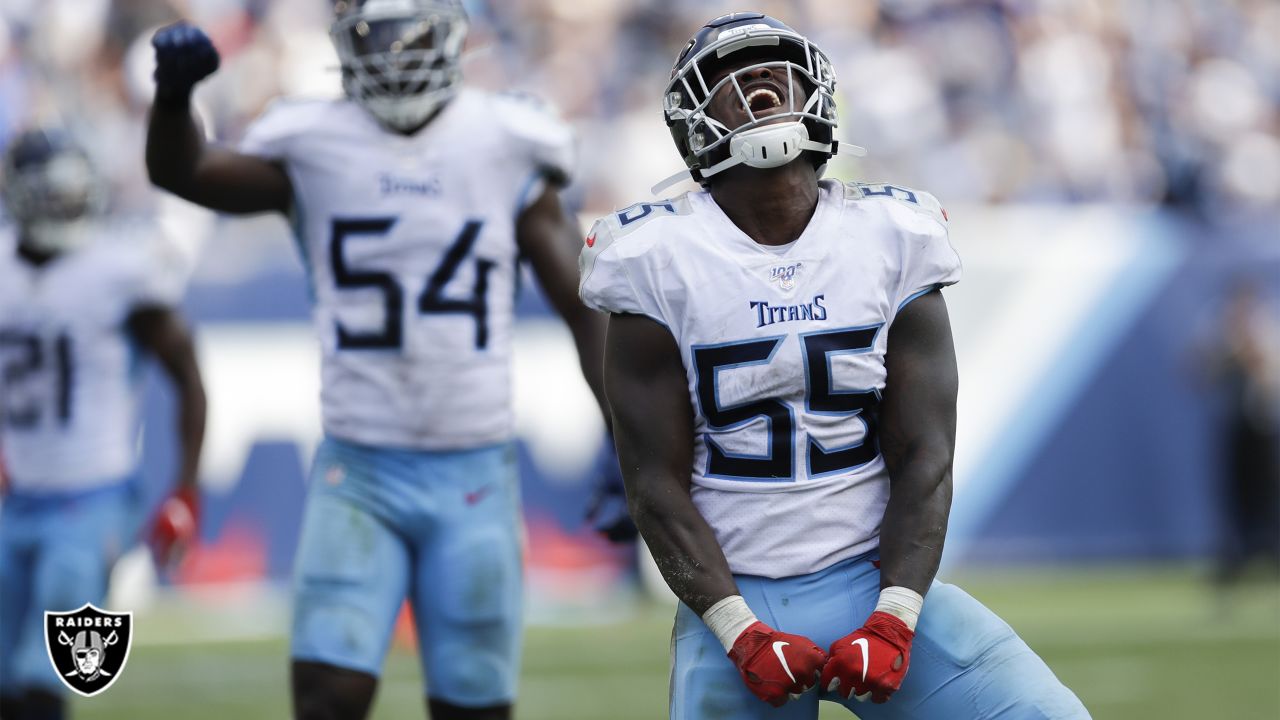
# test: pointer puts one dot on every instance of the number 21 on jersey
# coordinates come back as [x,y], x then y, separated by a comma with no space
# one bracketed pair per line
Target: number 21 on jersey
[25,360]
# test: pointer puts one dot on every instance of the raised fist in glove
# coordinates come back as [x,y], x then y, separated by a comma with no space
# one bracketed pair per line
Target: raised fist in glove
[871,661]
[176,525]
[184,57]
[776,666]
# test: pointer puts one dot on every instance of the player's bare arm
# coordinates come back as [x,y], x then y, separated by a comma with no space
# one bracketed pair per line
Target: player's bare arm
[550,239]
[178,158]
[161,332]
[917,439]
[653,430]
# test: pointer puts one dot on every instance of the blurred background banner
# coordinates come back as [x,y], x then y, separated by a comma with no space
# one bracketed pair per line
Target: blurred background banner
[1112,175]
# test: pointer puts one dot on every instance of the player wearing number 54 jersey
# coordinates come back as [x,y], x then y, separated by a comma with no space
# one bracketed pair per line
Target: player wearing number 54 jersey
[413,201]
[780,371]
[82,299]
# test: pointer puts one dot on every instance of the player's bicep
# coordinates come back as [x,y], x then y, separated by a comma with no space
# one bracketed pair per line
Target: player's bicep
[918,410]
[649,401]
[234,182]
[161,332]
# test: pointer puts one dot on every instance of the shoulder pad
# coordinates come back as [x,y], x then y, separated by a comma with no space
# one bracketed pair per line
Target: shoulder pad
[536,124]
[615,271]
[282,120]
[149,268]
[917,200]
[633,217]
[298,111]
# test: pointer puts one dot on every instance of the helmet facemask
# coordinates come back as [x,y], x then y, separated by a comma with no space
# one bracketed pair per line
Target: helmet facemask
[53,200]
[762,140]
[401,59]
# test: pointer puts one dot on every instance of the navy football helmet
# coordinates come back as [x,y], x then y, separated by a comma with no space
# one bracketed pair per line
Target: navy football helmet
[401,59]
[752,43]
[50,189]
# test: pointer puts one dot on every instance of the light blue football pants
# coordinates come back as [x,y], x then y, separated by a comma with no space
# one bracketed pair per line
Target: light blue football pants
[440,528]
[966,663]
[56,553]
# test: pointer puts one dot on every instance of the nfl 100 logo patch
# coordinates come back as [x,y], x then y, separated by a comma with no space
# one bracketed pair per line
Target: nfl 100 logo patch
[88,647]
[785,275]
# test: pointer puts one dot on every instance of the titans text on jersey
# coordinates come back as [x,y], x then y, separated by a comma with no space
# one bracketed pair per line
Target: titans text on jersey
[767,314]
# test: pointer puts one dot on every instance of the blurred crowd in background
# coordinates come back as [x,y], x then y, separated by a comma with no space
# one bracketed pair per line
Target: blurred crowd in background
[1173,102]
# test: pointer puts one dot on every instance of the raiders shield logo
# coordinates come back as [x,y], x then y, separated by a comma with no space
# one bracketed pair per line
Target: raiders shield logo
[88,647]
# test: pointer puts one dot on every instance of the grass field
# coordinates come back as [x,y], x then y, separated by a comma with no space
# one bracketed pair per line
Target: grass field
[1133,643]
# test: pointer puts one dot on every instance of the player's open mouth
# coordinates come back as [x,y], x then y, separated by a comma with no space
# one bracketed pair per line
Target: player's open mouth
[763,98]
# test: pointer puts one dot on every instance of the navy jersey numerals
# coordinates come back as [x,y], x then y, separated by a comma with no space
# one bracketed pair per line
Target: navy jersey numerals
[26,360]
[640,211]
[431,300]
[708,361]
[476,305]
[822,399]
[778,463]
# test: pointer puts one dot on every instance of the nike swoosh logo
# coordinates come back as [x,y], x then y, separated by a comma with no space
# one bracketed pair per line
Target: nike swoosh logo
[474,497]
[866,656]
[777,650]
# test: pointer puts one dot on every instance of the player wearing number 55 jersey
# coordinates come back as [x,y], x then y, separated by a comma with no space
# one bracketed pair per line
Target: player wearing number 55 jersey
[413,201]
[81,299]
[780,371]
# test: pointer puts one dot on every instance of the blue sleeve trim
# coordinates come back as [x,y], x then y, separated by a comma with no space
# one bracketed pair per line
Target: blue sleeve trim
[917,294]
[535,182]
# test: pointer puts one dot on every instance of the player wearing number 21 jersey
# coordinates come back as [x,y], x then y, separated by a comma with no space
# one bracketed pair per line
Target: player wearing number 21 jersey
[82,301]
[780,371]
[413,201]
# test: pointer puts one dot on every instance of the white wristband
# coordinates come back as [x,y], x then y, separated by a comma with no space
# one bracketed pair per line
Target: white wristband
[903,603]
[728,618]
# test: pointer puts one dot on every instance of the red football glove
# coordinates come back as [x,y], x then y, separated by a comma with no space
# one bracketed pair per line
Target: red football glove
[776,666]
[871,660]
[176,525]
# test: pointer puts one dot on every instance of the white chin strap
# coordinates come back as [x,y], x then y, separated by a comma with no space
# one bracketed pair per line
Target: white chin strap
[767,146]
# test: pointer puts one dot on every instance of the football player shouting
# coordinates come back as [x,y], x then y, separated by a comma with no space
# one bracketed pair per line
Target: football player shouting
[780,369]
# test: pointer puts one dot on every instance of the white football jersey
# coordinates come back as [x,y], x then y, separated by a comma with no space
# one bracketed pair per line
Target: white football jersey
[784,356]
[70,384]
[409,243]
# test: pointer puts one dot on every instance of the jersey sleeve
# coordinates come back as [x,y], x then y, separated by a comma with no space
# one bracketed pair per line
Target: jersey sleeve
[928,259]
[614,278]
[152,273]
[537,136]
